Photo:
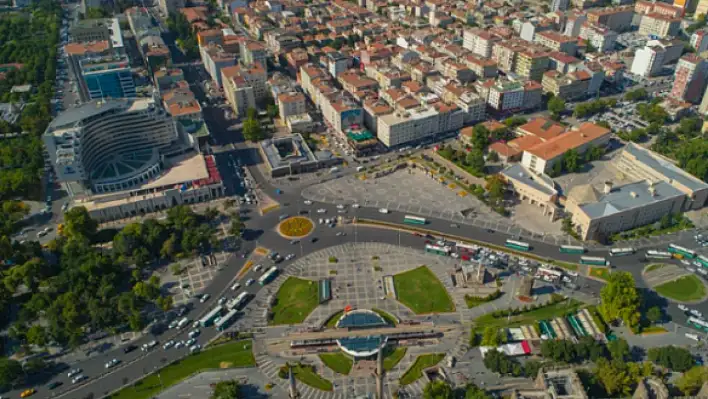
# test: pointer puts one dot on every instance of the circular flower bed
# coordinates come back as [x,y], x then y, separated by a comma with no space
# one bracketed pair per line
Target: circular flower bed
[296,227]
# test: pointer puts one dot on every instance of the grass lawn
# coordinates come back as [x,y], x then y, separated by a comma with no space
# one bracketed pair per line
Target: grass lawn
[422,292]
[686,288]
[309,377]
[234,354]
[565,265]
[654,330]
[332,321]
[386,316]
[296,299]
[420,364]
[393,357]
[602,273]
[530,317]
[338,362]
[653,267]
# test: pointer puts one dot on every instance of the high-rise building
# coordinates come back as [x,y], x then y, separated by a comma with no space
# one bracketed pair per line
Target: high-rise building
[690,78]
[699,41]
[559,5]
[106,77]
[648,61]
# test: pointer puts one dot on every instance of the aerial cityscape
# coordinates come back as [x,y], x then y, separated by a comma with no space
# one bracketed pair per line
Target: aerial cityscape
[353,199]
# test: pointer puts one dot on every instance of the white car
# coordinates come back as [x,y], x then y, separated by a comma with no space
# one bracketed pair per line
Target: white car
[190,342]
[149,345]
[73,372]
[195,348]
[340,234]
[340,206]
[194,333]
[168,344]
[685,262]
[250,281]
[290,256]
[321,210]
[179,344]
[112,363]
[308,202]
[257,268]
[356,206]
[204,298]
[78,378]
[321,221]
[235,286]
[383,210]
[222,300]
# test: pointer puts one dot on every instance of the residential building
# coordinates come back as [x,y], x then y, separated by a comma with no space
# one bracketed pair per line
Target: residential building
[638,164]
[562,62]
[215,59]
[648,61]
[341,111]
[238,93]
[253,51]
[373,109]
[94,30]
[506,95]
[542,157]
[658,7]
[557,42]
[402,127]
[690,79]
[165,78]
[531,64]
[291,104]
[483,68]
[479,42]
[77,52]
[699,40]
[559,5]
[659,25]
[573,24]
[468,100]
[168,7]
[106,77]
[529,29]
[618,19]
[599,37]
[337,63]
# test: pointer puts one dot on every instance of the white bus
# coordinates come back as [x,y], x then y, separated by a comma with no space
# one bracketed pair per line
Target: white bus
[621,251]
[226,320]
[518,245]
[548,274]
[268,276]
[654,254]
[465,247]
[207,320]
[698,324]
[238,301]
[594,260]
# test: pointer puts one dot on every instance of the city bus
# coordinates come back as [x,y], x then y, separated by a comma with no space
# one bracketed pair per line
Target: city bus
[521,246]
[698,324]
[226,321]
[548,274]
[684,252]
[571,249]
[408,219]
[702,260]
[239,301]
[462,247]
[445,251]
[621,251]
[268,276]
[593,260]
[207,320]
[654,254]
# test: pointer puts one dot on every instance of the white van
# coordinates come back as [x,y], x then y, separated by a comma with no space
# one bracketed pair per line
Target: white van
[359,168]
[383,210]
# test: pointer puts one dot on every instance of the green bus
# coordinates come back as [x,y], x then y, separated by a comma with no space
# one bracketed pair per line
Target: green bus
[408,219]
[702,260]
[684,252]
[518,245]
[571,249]
[445,251]
[593,260]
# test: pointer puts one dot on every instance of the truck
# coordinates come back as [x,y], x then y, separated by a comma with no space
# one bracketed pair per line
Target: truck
[183,322]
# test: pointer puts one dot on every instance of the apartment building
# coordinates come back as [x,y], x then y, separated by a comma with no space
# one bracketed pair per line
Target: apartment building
[168,7]
[559,5]
[573,24]
[648,61]
[542,157]
[690,79]
[506,53]
[468,100]
[506,95]
[482,68]
[386,76]
[638,163]
[215,59]
[402,127]
[238,93]
[618,19]
[571,86]
[601,38]
[479,42]
[107,76]
[557,42]
[289,104]
[657,7]
[699,40]
[373,110]
[337,63]
[659,25]
[252,52]
[531,64]
[94,30]
[702,7]
[341,111]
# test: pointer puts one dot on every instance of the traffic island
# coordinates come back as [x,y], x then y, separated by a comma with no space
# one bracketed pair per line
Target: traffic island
[296,227]
[422,292]
[674,283]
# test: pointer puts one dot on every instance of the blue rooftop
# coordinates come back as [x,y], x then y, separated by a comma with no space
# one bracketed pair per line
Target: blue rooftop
[361,319]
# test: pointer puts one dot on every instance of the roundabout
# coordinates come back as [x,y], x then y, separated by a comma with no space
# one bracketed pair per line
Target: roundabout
[674,283]
[296,227]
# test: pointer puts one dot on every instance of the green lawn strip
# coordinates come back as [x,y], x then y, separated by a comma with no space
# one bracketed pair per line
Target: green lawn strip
[530,317]
[373,222]
[339,362]
[654,330]
[295,300]
[332,321]
[654,267]
[234,354]
[393,357]
[603,273]
[420,364]
[311,378]
[685,288]
[390,319]
[422,292]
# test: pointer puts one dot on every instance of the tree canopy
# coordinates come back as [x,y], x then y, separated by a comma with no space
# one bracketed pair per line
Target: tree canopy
[620,299]
[227,390]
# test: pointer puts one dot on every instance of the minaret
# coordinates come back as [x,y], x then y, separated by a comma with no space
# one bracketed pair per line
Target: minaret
[379,374]
[294,394]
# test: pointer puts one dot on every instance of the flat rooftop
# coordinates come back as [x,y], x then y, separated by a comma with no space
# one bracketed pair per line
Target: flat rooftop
[665,167]
[287,150]
[628,196]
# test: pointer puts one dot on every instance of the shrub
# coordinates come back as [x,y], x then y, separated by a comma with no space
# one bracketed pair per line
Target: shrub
[333,259]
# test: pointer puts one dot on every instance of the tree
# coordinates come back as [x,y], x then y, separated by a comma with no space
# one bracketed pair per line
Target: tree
[475,160]
[472,391]
[37,335]
[556,105]
[78,222]
[437,390]
[674,358]
[252,130]
[620,299]
[272,110]
[236,228]
[571,160]
[619,350]
[493,337]
[654,314]
[10,372]
[692,380]
[496,187]
[636,95]
[480,137]
[227,390]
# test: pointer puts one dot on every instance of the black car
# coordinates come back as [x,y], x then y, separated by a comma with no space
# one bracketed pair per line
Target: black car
[313,239]
[130,348]
[54,384]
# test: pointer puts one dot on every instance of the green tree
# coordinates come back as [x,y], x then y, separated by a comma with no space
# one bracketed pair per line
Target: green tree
[493,337]
[571,160]
[10,373]
[654,314]
[475,160]
[272,110]
[672,357]
[636,95]
[437,390]
[227,390]
[619,350]
[37,335]
[252,130]
[78,222]
[692,380]
[620,299]
[480,137]
[556,105]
